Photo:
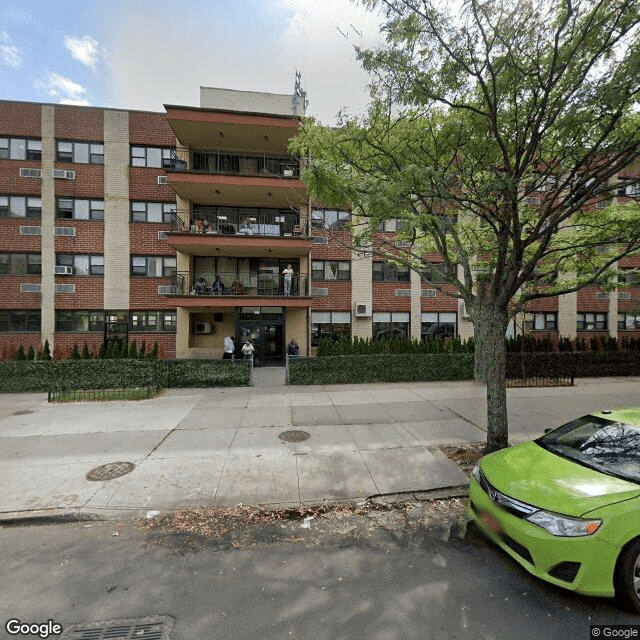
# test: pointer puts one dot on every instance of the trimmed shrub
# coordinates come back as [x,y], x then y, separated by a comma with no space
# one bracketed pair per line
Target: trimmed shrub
[31,355]
[20,354]
[75,352]
[64,375]
[46,351]
[143,350]
[133,349]
[382,368]
[85,351]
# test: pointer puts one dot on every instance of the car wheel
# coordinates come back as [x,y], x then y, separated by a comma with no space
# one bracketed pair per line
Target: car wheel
[628,576]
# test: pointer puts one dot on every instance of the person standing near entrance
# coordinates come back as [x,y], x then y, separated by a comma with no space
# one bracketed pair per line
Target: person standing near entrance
[288,275]
[228,348]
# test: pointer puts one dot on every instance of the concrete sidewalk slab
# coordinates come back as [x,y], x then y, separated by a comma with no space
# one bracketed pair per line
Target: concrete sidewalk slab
[221,446]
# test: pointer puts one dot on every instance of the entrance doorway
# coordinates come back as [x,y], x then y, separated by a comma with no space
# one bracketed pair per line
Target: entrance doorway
[266,332]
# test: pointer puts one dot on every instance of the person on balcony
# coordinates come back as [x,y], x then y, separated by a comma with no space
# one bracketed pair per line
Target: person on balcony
[200,286]
[288,276]
[218,286]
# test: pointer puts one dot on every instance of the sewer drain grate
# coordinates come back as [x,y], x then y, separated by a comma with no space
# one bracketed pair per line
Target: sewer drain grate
[110,471]
[294,436]
[152,628]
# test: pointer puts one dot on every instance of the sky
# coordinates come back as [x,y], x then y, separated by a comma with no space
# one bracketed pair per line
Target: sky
[138,54]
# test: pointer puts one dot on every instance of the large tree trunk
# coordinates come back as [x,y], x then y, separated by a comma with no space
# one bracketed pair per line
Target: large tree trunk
[490,327]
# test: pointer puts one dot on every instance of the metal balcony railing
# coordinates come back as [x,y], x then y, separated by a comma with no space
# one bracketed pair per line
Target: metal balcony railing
[234,284]
[238,221]
[225,162]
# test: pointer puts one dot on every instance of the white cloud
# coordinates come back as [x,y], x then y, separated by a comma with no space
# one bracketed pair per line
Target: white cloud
[9,53]
[86,50]
[61,89]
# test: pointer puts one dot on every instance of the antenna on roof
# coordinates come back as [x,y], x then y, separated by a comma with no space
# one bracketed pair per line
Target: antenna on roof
[299,100]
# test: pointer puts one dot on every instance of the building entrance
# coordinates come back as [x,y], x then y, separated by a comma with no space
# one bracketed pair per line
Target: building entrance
[265,329]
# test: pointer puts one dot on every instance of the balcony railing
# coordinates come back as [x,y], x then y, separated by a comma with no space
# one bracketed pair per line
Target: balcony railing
[224,162]
[242,222]
[233,284]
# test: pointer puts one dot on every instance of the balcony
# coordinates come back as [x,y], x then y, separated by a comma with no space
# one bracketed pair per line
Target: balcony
[237,164]
[233,289]
[242,221]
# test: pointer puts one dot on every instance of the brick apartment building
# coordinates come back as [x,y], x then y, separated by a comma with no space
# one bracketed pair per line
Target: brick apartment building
[176,228]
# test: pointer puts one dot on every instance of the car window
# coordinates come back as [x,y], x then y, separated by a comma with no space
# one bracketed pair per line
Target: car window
[608,446]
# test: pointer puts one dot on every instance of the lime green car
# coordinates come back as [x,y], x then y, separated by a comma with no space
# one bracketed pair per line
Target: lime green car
[567,505]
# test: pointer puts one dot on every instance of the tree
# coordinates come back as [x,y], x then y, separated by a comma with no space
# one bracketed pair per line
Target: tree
[496,138]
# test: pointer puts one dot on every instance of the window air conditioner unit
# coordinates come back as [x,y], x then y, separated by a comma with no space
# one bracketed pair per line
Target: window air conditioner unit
[63,173]
[30,173]
[203,327]
[163,180]
[362,311]
[61,270]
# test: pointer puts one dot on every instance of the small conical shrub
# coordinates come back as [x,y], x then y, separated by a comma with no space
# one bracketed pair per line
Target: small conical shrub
[133,349]
[85,351]
[75,352]
[20,355]
[31,355]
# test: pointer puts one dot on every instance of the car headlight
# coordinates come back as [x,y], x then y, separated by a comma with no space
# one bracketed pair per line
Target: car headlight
[558,525]
[476,472]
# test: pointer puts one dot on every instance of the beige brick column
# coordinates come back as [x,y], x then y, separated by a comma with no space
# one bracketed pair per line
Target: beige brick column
[361,292]
[613,311]
[48,223]
[567,310]
[416,306]
[465,326]
[116,209]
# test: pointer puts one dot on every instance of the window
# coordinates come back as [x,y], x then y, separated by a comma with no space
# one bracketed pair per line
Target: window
[331,270]
[20,207]
[390,324]
[153,321]
[330,324]
[82,265]
[394,224]
[20,264]
[329,219]
[629,277]
[436,271]
[540,321]
[385,272]
[153,212]
[21,149]
[591,322]
[157,157]
[628,321]
[152,266]
[19,320]
[79,209]
[79,321]
[439,324]
[80,152]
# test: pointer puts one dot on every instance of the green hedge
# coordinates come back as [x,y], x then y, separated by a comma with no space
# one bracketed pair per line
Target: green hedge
[382,368]
[61,375]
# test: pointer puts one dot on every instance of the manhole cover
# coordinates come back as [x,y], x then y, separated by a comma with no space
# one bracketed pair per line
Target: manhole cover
[110,471]
[294,436]
[152,628]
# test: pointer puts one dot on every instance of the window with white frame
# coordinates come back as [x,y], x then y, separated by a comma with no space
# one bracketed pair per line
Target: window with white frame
[390,324]
[20,264]
[392,225]
[153,266]
[591,322]
[152,321]
[540,321]
[21,148]
[385,272]
[80,152]
[153,212]
[331,270]
[155,157]
[628,321]
[436,272]
[629,277]
[20,207]
[331,325]
[83,265]
[439,323]
[79,209]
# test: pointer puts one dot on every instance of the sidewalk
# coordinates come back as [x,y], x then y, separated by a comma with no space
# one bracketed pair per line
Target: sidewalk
[204,447]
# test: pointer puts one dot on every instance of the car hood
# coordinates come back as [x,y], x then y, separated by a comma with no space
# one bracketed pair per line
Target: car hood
[531,474]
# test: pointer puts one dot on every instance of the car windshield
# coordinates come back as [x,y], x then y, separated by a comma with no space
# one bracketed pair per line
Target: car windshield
[605,445]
